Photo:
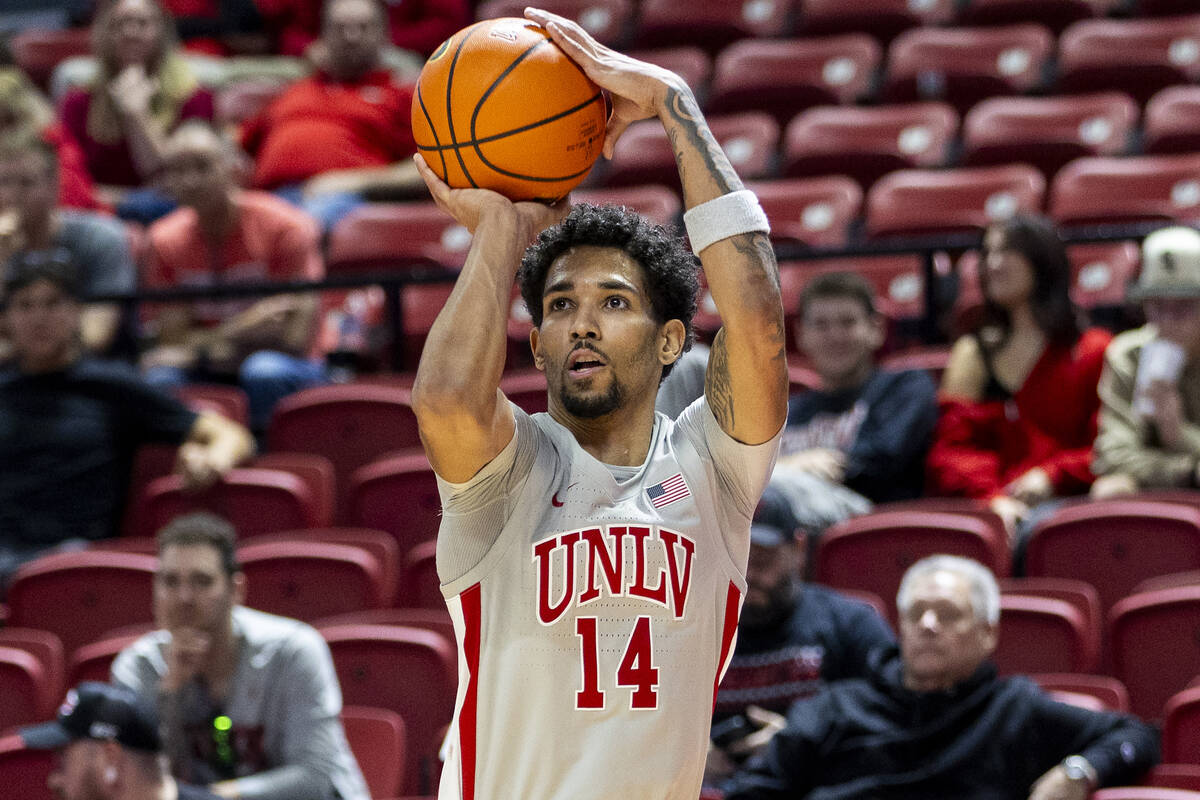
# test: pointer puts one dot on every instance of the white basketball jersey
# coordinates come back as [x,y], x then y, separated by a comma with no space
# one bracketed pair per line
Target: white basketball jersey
[594,630]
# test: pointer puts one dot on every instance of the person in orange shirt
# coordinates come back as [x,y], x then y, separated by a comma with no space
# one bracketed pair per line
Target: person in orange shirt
[222,234]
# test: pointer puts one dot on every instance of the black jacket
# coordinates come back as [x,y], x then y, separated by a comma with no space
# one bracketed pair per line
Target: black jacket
[986,739]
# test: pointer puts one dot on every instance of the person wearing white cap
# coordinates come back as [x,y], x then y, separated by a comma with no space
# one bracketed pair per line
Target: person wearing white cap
[1149,431]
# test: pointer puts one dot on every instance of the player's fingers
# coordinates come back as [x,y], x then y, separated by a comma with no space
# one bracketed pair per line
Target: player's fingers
[616,127]
[437,187]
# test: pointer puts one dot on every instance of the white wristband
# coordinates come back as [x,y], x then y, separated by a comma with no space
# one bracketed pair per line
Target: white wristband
[728,215]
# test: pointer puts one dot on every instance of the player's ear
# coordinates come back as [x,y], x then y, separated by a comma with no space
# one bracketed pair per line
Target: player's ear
[672,335]
[538,360]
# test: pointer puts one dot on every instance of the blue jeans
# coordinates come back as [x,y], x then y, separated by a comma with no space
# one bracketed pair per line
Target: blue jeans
[326,209]
[266,376]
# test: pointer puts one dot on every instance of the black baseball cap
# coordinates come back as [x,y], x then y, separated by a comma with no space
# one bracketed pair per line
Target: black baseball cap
[54,264]
[97,711]
[774,523]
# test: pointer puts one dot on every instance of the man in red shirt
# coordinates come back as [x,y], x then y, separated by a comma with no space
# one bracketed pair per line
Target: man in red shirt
[221,235]
[330,137]
[417,25]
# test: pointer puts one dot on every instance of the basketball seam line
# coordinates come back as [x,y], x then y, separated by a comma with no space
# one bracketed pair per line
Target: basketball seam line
[450,110]
[433,132]
[495,136]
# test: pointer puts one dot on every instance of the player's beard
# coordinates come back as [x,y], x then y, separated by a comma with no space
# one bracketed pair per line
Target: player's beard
[592,406]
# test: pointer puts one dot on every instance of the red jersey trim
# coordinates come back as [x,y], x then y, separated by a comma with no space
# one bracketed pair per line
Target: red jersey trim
[733,608]
[472,618]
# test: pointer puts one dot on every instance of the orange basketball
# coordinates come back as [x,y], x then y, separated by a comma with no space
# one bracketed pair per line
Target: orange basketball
[500,106]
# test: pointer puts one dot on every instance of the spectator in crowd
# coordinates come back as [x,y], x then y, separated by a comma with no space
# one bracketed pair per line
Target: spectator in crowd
[30,219]
[1150,388]
[793,638]
[109,749]
[862,437]
[220,235]
[266,683]
[346,129]
[685,384]
[26,116]
[417,25]
[934,720]
[142,89]
[1018,399]
[69,423]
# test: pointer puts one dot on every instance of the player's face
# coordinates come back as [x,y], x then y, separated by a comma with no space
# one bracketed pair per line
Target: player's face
[771,574]
[191,590]
[840,337]
[76,772]
[42,323]
[942,641]
[598,342]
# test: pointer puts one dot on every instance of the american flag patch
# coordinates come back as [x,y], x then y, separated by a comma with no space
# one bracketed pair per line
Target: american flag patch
[672,489]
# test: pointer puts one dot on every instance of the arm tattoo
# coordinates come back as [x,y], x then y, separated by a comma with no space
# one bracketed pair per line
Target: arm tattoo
[757,250]
[718,387]
[683,108]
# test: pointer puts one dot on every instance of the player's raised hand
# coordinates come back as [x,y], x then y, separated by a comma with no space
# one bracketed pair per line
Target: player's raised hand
[638,89]
[469,206]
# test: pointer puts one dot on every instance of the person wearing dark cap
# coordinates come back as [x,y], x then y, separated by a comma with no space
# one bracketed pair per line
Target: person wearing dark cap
[793,638]
[70,423]
[109,749]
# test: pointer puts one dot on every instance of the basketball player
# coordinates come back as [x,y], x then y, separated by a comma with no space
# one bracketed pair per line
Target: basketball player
[593,557]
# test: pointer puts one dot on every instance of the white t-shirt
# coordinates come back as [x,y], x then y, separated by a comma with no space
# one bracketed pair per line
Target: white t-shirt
[595,608]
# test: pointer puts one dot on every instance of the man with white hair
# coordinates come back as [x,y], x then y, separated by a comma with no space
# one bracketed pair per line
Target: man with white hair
[934,720]
[1149,431]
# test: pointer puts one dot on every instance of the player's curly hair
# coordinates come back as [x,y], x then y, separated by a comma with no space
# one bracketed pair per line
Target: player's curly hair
[671,271]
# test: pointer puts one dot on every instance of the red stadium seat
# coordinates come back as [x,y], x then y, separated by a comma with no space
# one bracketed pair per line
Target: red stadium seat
[1135,56]
[1080,595]
[711,24]
[526,388]
[690,63]
[1172,122]
[386,237]
[817,212]
[379,544]
[1054,14]
[255,500]
[1115,544]
[350,424]
[81,595]
[1181,728]
[38,51]
[1188,578]
[399,495]
[93,661]
[644,155]
[1108,690]
[1040,634]
[658,204]
[427,619]
[867,143]
[230,402]
[965,65]
[377,739]
[1047,132]
[898,281]
[23,772]
[294,578]
[608,21]
[933,360]
[1174,776]
[422,588]
[883,19]
[1131,189]
[914,201]
[784,76]
[25,690]
[1155,649]
[873,551]
[243,100]
[368,658]
[316,471]
[48,650]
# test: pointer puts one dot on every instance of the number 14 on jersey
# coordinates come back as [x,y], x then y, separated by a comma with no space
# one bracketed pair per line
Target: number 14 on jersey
[635,672]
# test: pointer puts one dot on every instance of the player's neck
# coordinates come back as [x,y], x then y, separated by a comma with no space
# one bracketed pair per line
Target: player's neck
[621,438]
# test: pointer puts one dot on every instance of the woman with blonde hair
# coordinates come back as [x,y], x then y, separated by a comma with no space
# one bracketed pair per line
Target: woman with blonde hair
[26,116]
[143,89]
